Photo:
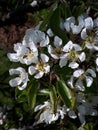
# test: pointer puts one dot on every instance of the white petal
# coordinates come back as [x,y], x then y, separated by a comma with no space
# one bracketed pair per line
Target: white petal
[89,81]
[97,61]
[82,57]
[90,71]
[57,41]
[88,23]
[23,86]
[33,47]
[79,85]
[15,82]
[47,69]
[72,114]
[84,34]
[31,70]
[68,47]
[68,22]
[50,33]
[70,82]
[44,58]
[14,71]
[13,57]
[78,73]
[73,65]
[44,42]
[63,62]
[39,75]
[75,29]
[81,21]
[89,45]
[77,47]
[39,107]
[52,52]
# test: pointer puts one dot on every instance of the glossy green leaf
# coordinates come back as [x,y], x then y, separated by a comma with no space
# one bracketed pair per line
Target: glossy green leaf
[53,98]
[54,24]
[32,93]
[65,93]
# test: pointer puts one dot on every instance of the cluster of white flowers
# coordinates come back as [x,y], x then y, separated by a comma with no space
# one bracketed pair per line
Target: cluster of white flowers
[29,53]
[37,51]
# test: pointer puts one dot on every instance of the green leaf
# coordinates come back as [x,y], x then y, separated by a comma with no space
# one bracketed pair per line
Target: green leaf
[65,94]
[21,96]
[32,93]
[95,6]
[54,24]
[88,127]
[53,98]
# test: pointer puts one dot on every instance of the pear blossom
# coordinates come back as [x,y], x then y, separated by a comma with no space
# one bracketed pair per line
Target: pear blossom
[73,54]
[40,68]
[80,75]
[36,36]
[21,80]
[69,24]
[88,23]
[85,109]
[91,42]
[56,51]
[48,116]
[23,54]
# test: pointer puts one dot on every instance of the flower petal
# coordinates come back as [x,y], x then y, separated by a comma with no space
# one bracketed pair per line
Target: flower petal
[75,29]
[68,22]
[68,47]
[84,34]
[72,114]
[44,42]
[23,86]
[79,85]
[90,71]
[31,70]
[82,57]
[50,33]
[73,65]
[89,81]
[15,82]
[57,41]
[88,23]
[44,58]
[39,75]
[13,57]
[63,62]
[78,73]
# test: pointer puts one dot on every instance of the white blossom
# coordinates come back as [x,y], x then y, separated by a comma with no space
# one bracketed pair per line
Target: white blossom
[41,67]
[21,80]
[38,37]
[70,25]
[56,51]
[82,75]
[73,54]
[90,41]
[24,54]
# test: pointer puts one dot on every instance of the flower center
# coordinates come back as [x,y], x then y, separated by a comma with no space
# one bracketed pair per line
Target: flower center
[41,66]
[89,40]
[30,55]
[72,55]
